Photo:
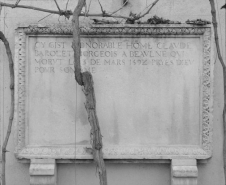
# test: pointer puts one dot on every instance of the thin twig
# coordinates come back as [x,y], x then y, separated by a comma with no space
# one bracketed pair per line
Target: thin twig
[11,70]
[105,15]
[67,4]
[57,6]
[64,13]
[145,8]
[219,22]
[89,7]
[119,8]
[147,12]
[59,19]
[0,10]
[68,13]
[30,7]
[16,3]
[45,17]
[133,17]
[5,21]
[102,10]
[214,19]
[85,9]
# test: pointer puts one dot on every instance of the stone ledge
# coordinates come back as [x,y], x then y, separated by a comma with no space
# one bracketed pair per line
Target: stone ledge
[184,172]
[43,172]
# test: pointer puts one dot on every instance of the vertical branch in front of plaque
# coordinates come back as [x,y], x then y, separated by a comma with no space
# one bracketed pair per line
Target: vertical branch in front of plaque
[85,79]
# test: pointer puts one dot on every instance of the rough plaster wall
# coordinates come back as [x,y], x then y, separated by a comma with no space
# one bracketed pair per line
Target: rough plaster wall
[120,174]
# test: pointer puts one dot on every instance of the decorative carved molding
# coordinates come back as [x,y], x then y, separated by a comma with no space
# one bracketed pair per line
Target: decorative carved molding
[115,152]
[184,172]
[116,30]
[111,152]
[43,172]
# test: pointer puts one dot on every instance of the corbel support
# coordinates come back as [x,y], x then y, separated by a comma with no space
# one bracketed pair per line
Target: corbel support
[43,172]
[184,172]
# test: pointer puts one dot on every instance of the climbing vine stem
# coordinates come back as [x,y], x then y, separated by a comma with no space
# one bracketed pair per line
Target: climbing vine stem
[11,70]
[85,79]
[216,37]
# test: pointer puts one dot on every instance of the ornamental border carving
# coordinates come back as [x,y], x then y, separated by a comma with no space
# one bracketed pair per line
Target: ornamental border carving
[115,152]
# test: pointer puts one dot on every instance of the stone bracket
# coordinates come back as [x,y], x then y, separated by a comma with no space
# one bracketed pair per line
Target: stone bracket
[43,172]
[184,172]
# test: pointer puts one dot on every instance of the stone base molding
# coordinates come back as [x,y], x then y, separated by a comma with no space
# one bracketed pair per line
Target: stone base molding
[184,172]
[43,172]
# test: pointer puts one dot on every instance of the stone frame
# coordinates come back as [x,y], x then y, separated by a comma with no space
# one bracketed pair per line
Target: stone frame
[162,152]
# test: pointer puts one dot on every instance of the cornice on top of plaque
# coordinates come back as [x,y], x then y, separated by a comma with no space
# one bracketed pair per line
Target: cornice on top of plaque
[116,29]
[25,25]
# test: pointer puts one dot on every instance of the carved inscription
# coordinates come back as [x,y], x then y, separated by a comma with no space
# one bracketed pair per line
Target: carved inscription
[134,52]
[151,77]
[52,56]
[145,111]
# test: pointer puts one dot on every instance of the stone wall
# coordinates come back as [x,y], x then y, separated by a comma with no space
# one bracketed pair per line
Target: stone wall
[155,172]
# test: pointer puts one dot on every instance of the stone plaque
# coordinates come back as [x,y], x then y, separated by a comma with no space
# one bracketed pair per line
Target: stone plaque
[153,89]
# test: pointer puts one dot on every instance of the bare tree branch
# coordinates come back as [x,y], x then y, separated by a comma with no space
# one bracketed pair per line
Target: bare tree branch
[67,4]
[85,79]
[102,10]
[96,137]
[66,13]
[147,12]
[89,7]
[105,15]
[134,17]
[147,6]
[11,70]
[76,41]
[120,7]
[15,5]
[57,6]
[214,20]
[44,17]
[31,7]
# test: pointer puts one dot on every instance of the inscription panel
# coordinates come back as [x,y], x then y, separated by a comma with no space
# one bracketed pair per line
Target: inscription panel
[149,93]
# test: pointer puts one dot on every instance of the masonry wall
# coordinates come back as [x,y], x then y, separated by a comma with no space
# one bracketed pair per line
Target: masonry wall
[155,173]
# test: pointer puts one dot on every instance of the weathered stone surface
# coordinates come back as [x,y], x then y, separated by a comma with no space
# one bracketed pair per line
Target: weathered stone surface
[184,172]
[153,91]
[145,93]
[43,172]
